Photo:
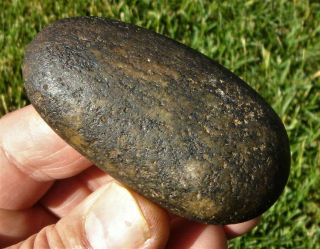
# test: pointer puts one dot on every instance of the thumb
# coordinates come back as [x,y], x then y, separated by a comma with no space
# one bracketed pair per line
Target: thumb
[111,217]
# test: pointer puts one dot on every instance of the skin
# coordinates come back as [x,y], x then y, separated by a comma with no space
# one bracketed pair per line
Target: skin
[48,191]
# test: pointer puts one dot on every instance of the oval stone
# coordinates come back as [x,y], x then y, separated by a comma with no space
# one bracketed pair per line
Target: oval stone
[162,118]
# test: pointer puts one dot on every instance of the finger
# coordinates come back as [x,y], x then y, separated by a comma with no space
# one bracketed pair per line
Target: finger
[95,178]
[235,230]
[111,217]
[66,194]
[31,157]
[17,225]
[187,234]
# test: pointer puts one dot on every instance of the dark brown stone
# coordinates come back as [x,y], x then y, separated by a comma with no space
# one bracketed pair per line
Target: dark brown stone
[162,118]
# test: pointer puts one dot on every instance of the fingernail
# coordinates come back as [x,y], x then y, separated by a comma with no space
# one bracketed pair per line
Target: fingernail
[116,221]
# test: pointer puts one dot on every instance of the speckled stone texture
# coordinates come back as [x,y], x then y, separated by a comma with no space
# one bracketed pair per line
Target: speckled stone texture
[160,117]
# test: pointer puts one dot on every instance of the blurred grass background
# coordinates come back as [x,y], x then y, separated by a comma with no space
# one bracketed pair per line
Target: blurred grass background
[273,45]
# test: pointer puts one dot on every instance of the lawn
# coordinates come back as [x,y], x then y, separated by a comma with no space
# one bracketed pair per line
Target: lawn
[273,45]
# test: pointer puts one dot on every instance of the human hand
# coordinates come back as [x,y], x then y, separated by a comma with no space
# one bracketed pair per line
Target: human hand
[52,197]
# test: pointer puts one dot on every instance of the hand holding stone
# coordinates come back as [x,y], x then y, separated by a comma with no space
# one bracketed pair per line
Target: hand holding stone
[161,118]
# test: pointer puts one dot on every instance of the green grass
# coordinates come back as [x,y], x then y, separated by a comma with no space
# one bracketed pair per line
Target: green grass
[273,45]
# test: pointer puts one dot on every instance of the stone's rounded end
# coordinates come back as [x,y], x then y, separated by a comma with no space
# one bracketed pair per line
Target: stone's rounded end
[162,118]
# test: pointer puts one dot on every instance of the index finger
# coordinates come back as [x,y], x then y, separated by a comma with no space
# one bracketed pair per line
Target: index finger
[32,156]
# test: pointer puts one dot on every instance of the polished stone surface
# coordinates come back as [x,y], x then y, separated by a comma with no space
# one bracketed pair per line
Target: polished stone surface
[160,117]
